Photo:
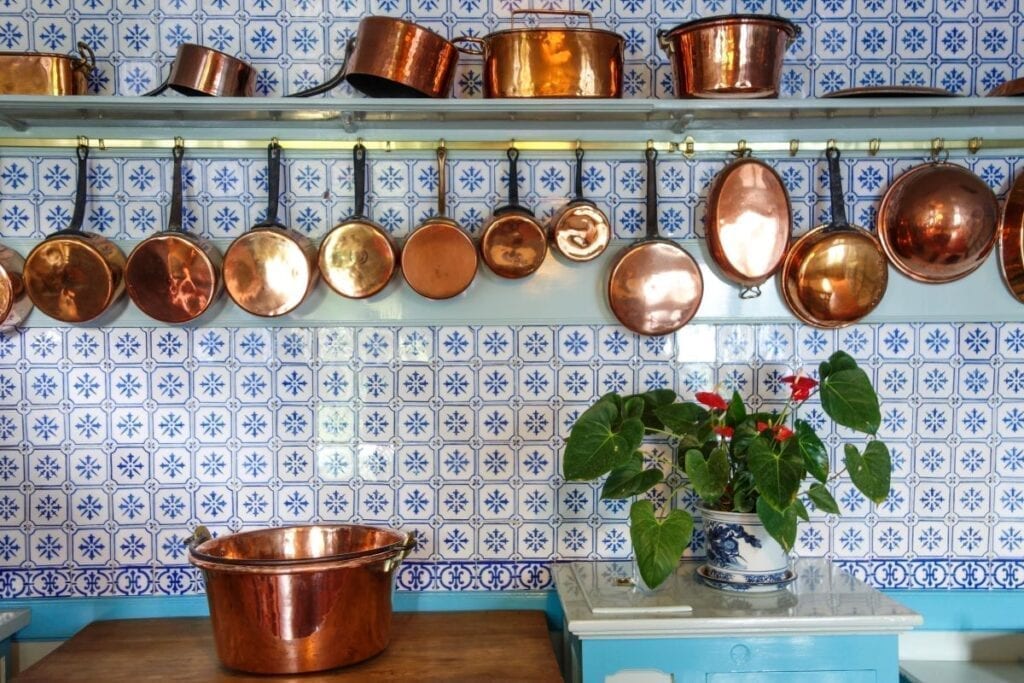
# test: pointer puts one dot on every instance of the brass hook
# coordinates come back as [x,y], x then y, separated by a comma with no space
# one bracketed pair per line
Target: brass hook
[974,144]
[794,147]
[874,144]
[650,144]
[579,144]
[387,145]
[689,147]
[103,144]
[741,149]
[938,145]
[179,142]
[831,144]
[83,141]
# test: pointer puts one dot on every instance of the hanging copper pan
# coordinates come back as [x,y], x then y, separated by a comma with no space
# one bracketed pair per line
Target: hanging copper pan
[74,276]
[174,276]
[655,286]
[439,260]
[580,231]
[748,223]
[271,269]
[514,243]
[837,273]
[1011,240]
[358,257]
[938,222]
[14,302]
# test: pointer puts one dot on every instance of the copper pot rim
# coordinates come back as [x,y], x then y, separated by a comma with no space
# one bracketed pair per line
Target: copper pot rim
[7,281]
[790,27]
[79,62]
[363,222]
[526,31]
[885,207]
[205,49]
[78,237]
[375,18]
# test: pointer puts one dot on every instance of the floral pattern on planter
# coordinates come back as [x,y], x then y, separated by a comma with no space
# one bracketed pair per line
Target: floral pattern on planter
[723,544]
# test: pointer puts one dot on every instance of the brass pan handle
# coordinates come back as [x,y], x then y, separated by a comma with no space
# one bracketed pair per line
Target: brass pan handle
[665,42]
[199,536]
[554,12]
[479,45]
[87,60]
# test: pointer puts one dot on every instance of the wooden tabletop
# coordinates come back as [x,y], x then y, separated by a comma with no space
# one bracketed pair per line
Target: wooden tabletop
[425,646]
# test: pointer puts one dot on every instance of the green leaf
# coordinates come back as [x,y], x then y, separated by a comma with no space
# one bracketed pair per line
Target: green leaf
[633,407]
[872,471]
[781,525]
[812,450]
[658,544]
[841,360]
[595,446]
[801,510]
[824,370]
[777,473]
[743,493]
[709,477]
[652,400]
[849,399]
[736,412]
[822,499]
[681,418]
[630,479]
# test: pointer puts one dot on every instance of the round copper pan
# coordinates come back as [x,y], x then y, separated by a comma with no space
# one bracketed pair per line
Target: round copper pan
[1011,240]
[201,70]
[580,231]
[173,276]
[938,222]
[748,223]
[270,270]
[358,257]
[514,243]
[1013,88]
[655,285]
[837,273]
[439,260]
[74,276]
[890,91]
[46,73]
[14,302]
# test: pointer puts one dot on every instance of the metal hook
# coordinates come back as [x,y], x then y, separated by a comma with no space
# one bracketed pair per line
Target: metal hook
[741,149]
[974,144]
[938,146]
[579,144]
[794,147]
[874,144]
[179,142]
[650,144]
[83,141]
[831,144]
[689,147]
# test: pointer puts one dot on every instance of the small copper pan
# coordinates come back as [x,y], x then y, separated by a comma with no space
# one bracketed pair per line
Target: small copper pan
[514,243]
[655,286]
[201,70]
[271,269]
[748,223]
[74,276]
[439,260]
[358,257]
[837,273]
[1011,240]
[174,276]
[580,231]
[14,302]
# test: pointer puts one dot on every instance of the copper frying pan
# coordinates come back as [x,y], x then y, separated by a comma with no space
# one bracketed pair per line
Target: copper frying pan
[1011,240]
[174,276]
[439,260]
[358,257]
[514,243]
[835,274]
[14,302]
[580,231]
[74,276]
[271,269]
[655,286]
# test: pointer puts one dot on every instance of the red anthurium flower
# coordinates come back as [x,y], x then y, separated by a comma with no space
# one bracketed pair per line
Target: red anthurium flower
[782,432]
[711,400]
[725,431]
[800,386]
[761,426]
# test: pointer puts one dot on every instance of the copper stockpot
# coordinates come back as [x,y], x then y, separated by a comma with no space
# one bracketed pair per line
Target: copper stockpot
[174,276]
[201,70]
[46,73]
[733,56]
[294,599]
[513,243]
[550,62]
[938,222]
[271,269]
[74,276]
[14,302]
[580,231]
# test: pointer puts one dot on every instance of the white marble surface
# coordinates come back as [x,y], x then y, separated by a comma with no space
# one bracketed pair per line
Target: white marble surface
[13,621]
[822,601]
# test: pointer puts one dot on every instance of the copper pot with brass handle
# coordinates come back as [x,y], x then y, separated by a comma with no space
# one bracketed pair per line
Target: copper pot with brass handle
[46,73]
[514,243]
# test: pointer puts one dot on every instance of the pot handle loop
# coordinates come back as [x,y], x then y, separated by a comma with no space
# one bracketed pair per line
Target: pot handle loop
[87,59]
[442,179]
[553,12]
[359,170]
[835,186]
[273,186]
[335,80]
[478,49]
[199,536]
[665,42]
[178,153]
[578,181]
[513,177]
[652,192]
[408,545]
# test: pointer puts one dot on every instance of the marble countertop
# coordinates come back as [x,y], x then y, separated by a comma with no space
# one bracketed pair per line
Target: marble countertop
[822,600]
[13,621]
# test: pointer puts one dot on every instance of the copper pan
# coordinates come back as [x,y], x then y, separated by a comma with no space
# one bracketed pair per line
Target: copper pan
[358,257]
[889,91]
[938,222]
[655,285]
[271,269]
[439,260]
[74,276]
[580,231]
[837,273]
[1011,240]
[46,73]
[201,70]
[514,243]
[14,302]
[1012,88]
[748,223]
[174,276]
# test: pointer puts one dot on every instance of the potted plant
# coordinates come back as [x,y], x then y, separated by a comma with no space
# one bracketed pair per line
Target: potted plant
[755,472]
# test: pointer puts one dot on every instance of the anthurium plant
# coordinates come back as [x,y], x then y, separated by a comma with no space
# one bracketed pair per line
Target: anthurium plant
[773,464]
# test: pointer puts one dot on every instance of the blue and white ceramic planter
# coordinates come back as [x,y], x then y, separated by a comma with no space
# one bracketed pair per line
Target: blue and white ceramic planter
[741,555]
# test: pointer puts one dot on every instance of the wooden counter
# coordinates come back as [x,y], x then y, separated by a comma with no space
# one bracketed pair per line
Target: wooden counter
[425,646]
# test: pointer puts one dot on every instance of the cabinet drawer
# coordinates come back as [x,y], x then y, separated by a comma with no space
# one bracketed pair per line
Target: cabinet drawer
[795,677]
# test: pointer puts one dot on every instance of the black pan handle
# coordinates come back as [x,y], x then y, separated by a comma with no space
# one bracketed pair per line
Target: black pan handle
[513,178]
[78,217]
[835,186]
[178,153]
[160,88]
[332,82]
[359,170]
[578,188]
[652,192]
[273,187]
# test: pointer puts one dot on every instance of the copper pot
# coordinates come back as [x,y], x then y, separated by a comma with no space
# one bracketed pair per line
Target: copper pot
[514,243]
[580,231]
[174,276]
[294,599]
[14,302]
[46,73]
[550,62]
[733,56]
[74,276]
[938,222]
[1011,240]
[391,57]
[201,70]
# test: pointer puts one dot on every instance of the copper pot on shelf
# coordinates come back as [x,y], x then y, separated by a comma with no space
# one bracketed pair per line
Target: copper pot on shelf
[201,70]
[46,73]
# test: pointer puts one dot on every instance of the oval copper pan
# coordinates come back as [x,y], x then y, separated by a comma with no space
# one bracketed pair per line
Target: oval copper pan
[748,222]
[1011,240]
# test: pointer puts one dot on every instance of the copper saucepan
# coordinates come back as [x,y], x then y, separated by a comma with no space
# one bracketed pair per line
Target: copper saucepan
[655,286]
[358,257]
[271,269]
[938,222]
[580,231]
[201,70]
[174,276]
[74,276]
[439,260]
[1011,240]
[46,73]
[514,243]
[837,273]
[14,302]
